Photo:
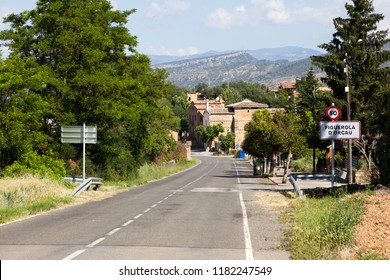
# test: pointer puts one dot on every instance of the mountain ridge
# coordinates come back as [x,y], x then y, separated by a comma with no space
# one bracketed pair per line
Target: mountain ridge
[236,66]
[290,53]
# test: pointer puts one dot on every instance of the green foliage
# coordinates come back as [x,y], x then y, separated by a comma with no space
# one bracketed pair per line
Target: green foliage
[258,135]
[227,141]
[238,91]
[208,133]
[267,134]
[321,227]
[75,62]
[22,111]
[358,46]
[32,163]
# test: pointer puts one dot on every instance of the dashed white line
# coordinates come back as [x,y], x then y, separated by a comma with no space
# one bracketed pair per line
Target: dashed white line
[113,231]
[74,255]
[154,205]
[93,244]
[147,210]
[139,215]
[128,223]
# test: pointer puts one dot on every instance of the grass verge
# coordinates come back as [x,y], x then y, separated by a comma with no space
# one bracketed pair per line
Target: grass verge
[29,195]
[322,227]
[151,172]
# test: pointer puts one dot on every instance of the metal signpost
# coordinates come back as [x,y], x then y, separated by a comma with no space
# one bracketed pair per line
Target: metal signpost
[338,130]
[79,135]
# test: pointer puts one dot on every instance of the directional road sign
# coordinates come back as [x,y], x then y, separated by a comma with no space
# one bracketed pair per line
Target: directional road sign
[75,134]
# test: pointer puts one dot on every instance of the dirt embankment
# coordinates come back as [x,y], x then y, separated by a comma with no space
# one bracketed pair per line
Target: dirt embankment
[373,233]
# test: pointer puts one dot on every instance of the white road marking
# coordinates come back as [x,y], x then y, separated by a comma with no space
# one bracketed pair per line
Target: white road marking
[128,223]
[93,244]
[113,231]
[74,255]
[247,235]
[139,215]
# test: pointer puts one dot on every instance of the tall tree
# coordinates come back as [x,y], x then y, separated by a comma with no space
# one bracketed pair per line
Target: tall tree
[357,47]
[358,44]
[96,76]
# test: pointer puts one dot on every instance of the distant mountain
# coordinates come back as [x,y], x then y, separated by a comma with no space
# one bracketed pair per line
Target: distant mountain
[235,66]
[284,53]
[159,59]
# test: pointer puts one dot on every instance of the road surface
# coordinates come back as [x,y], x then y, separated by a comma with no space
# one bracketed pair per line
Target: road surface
[208,212]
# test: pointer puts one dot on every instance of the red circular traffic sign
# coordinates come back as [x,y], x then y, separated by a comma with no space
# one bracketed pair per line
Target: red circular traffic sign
[333,113]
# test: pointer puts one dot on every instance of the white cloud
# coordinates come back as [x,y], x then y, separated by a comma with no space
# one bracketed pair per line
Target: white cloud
[191,50]
[168,8]
[277,12]
[274,12]
[221,18]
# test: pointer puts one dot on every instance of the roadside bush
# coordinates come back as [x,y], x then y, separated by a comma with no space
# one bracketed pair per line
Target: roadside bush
[32,163]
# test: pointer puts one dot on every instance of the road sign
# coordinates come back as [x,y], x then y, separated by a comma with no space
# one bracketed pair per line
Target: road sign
[79,135]
[339,130]
[74,134]
[333,113]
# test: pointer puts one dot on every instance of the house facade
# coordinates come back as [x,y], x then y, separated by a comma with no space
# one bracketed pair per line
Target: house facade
[233,117]
[243,112]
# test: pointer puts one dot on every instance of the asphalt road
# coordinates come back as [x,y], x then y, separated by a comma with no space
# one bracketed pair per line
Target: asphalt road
[208,212]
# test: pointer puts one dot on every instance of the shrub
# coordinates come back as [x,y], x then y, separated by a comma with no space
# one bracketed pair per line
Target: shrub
[32,163]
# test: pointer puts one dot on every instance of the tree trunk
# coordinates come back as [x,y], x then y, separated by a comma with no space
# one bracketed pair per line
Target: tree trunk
[286,170]
[274,165]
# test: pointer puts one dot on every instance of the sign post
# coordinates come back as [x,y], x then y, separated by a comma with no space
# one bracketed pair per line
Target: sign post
[338,130]
[79,135]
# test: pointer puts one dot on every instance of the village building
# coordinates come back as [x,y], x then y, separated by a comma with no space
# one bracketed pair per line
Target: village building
[196,111]
[243,112]
[233,117]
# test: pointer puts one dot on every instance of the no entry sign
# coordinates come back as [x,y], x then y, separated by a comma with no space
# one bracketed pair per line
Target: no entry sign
[333,113]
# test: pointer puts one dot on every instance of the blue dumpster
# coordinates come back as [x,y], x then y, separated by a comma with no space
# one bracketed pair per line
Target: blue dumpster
[241,154]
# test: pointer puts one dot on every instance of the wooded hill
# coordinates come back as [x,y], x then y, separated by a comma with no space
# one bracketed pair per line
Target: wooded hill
[236,66]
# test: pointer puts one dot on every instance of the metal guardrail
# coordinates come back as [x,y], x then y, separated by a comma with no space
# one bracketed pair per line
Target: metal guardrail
[293,181]
[294,177]
[84,185]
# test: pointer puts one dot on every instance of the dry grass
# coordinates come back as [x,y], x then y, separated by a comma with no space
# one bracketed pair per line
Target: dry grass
[29,188]
[29,195]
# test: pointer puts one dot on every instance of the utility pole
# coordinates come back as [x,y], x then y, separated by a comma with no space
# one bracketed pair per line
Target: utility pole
[346,71]
[314,128]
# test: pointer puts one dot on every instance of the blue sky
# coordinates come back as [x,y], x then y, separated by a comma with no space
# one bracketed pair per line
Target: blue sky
[184,27]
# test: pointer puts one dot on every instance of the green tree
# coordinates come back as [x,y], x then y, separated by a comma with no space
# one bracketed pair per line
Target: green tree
[259,140]
[22,110]
[208,133]
[227,141]
[267,135]
[357,46]
[96,77]
[231,95]
[358,43]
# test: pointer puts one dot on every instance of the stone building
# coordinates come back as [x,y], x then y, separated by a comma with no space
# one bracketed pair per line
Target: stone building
[196,114]
[233,117]
[243,112]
